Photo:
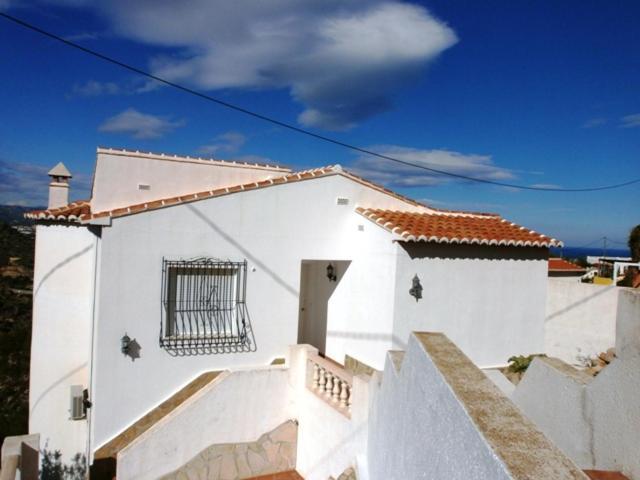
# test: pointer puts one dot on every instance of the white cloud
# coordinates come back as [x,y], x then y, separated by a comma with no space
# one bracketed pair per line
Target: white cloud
[631,121]
[399,175]
[94,88]
[139,125]
[229,142]
[342,60]
[82,36]
[27,184]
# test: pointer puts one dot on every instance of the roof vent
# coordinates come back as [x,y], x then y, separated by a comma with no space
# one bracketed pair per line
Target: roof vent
[342,201]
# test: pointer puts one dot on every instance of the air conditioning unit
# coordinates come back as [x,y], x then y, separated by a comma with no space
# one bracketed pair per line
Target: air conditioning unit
[77,410]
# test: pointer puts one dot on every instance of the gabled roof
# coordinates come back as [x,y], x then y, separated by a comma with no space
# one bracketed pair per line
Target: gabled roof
[443,226]
[562,265]
[462,228]
[87,215]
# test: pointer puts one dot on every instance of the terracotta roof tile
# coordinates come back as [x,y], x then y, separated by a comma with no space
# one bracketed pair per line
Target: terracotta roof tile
[456,228]
[66,213]
[562,265]
[74,212]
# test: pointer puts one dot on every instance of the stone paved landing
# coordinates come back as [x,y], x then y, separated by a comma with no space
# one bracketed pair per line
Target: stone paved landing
[273,453]
[290,475]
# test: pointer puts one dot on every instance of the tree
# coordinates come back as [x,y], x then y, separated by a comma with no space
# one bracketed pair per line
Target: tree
[634,243]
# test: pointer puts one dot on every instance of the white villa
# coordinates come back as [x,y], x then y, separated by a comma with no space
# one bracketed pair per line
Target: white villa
[194,303]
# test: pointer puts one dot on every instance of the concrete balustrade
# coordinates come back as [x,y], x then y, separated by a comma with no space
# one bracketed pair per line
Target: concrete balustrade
[330,382]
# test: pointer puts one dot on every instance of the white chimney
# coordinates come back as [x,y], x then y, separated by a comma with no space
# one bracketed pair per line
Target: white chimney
[59,186]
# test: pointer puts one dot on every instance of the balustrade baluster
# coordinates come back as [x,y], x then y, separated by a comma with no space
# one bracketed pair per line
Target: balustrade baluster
[322,381]
[316,376]
[343,394]
[329,386]
[335,393]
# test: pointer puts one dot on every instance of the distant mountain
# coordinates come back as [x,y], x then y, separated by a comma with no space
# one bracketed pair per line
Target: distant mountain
[14,214]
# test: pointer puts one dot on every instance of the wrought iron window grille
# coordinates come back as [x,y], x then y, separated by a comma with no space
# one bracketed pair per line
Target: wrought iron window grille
[204,307]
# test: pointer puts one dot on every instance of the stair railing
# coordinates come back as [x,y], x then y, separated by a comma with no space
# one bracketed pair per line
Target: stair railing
[330,382]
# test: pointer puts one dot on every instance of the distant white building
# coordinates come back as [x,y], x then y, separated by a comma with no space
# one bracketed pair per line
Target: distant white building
[178,266]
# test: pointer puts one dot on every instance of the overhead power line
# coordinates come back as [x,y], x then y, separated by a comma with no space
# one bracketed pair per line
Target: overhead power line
[294,128]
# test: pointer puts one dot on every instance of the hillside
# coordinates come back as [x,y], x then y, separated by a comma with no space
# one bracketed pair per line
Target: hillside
[16,277]
[13,214]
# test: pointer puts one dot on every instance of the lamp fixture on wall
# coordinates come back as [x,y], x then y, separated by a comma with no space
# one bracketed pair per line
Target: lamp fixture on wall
[125,344]
[416,288]
[331,273]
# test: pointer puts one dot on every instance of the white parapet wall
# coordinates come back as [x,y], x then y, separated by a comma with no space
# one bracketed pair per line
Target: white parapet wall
[240,406]
[63,286]
[236,407]
[580,319]
[330,438]
[438,416]
[596,421]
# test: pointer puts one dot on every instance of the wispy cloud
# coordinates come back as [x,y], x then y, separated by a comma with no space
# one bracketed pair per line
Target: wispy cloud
[631,121]
[27,184]
[399,175]
[94,88]
[82,36]
[342,60]
[229,142]
[140,125]
[594,122]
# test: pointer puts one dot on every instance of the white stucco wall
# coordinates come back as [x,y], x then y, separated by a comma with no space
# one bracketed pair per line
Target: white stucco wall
[237,407]
[274,230]
[596,423]
[580,319]
[118,174]
[328,441]
[437,416]
[418,429]
[553,397]
[61,334]
[488,300]
[615,404]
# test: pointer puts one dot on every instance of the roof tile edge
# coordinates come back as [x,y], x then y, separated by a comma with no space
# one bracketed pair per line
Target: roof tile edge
[403,235]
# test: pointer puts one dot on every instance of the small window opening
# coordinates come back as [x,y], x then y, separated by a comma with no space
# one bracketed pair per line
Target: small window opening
[204,304]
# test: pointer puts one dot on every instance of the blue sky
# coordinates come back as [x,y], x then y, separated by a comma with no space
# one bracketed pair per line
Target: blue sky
[533,93]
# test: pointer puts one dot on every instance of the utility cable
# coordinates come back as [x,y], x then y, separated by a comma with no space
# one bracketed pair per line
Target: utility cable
[294,128]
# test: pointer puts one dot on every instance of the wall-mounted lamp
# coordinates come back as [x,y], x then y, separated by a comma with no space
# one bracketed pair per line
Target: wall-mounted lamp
[125,344]
[416,288]
[331,273]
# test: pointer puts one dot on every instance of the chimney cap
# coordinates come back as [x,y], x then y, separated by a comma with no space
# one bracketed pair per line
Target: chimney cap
[59,171]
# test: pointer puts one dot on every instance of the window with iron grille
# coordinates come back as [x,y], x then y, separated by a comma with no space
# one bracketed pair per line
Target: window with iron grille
[203,304]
